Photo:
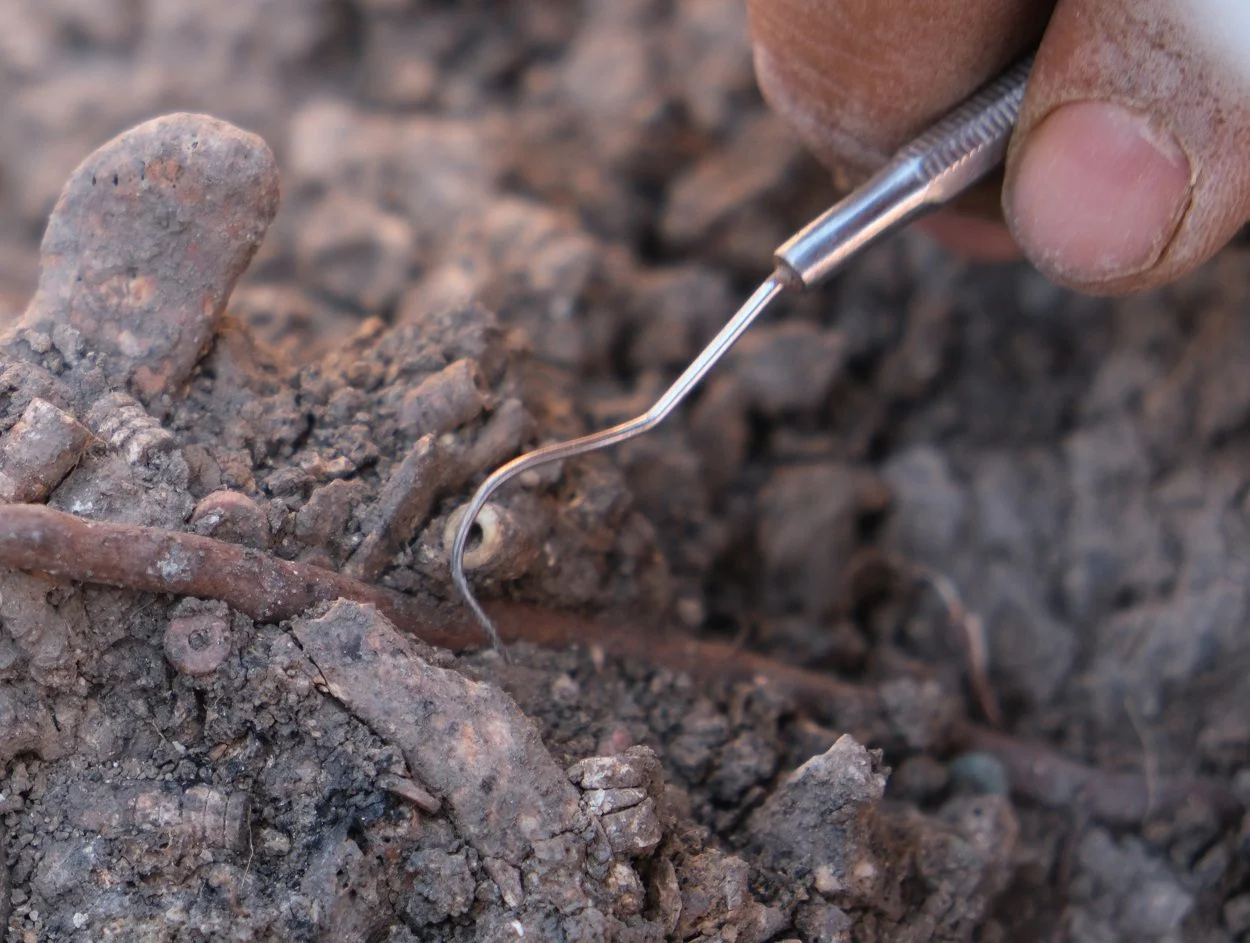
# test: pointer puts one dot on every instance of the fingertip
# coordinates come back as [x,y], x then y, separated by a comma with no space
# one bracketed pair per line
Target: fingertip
[1096,193]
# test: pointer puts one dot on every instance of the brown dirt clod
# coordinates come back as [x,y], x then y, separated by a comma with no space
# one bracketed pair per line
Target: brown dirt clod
[835,792]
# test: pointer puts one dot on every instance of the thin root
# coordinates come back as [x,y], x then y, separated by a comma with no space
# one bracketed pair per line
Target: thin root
[149,559]
[146,559]
[972,633]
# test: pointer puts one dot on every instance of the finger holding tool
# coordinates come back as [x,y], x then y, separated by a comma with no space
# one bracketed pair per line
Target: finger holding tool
[935,168]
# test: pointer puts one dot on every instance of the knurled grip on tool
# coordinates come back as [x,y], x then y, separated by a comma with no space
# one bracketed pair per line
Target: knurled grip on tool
[931,170]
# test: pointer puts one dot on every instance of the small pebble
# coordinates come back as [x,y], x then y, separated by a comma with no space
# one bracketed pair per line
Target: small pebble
[979,773]
[627,889]
[607,801]
[635,831]
[565,689]
[636,767]
[272,842]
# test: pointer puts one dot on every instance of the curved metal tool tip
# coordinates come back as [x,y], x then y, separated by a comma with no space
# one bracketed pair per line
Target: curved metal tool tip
[710,356]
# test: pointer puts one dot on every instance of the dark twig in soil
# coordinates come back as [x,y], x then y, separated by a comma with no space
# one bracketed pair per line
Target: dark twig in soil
[853,706]
[404,501]
[146,559]
[972,634]
[266,588]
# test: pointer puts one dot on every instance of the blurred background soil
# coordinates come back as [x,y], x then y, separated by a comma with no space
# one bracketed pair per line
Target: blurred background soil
[570,197]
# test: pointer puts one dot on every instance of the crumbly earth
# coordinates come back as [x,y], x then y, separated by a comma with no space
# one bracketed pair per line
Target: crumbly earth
[974,498]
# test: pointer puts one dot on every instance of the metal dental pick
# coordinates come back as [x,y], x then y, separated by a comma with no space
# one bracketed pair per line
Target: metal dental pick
[939,165]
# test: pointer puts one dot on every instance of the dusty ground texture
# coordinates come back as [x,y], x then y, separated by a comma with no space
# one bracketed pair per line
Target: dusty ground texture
[926,621]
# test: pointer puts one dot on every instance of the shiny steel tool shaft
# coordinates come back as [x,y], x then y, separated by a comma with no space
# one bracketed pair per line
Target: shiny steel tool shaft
[943,162]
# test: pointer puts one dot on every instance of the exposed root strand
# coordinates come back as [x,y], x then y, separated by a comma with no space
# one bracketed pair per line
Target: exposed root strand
[146,559]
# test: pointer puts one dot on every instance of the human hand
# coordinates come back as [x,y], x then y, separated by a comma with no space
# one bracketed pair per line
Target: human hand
[1131,161]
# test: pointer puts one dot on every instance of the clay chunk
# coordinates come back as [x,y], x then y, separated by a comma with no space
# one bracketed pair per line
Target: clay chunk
[144,246]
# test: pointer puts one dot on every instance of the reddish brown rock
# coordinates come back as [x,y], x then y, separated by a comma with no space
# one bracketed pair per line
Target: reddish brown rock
[146,242]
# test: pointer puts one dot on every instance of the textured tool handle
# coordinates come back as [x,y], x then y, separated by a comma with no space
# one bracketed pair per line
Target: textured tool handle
[972,140]
[933,169]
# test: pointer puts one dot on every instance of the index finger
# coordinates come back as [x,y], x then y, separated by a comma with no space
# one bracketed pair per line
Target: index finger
[858,78]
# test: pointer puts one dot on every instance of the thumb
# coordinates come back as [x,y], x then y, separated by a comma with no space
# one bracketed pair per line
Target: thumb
[1131,162]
